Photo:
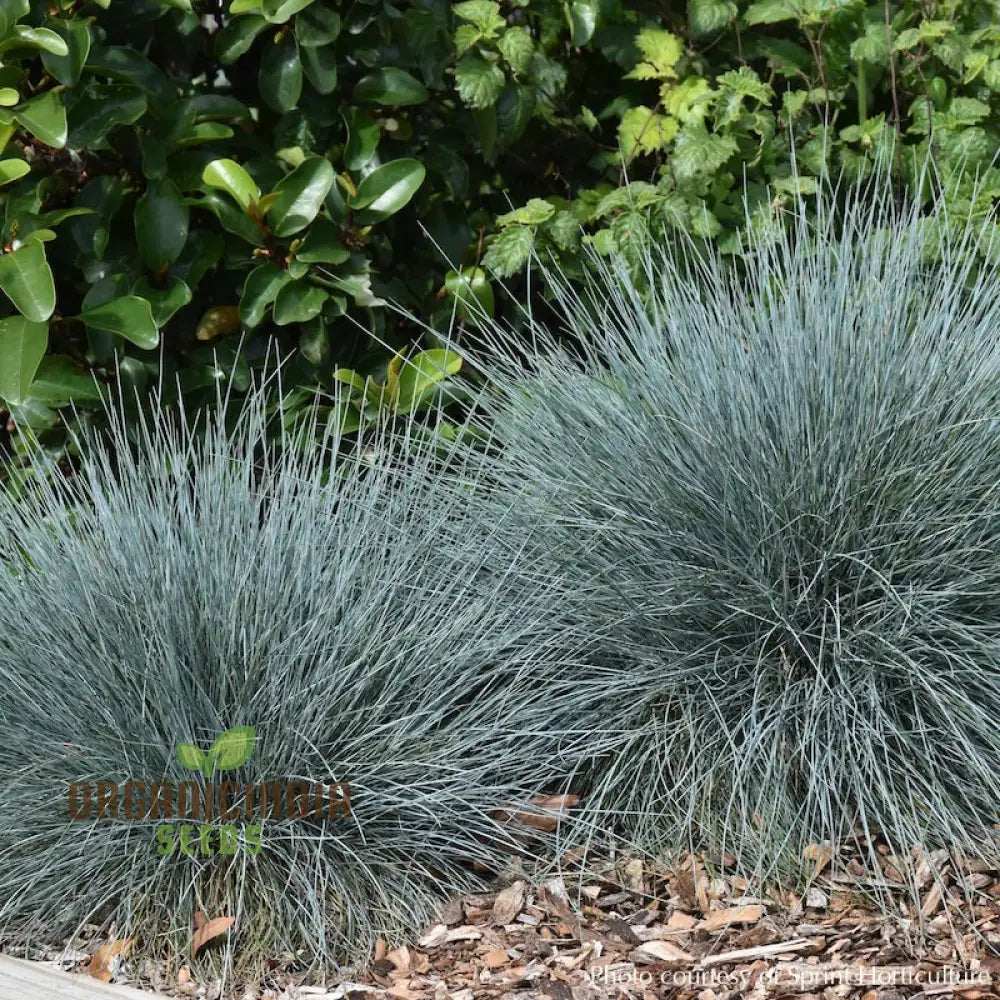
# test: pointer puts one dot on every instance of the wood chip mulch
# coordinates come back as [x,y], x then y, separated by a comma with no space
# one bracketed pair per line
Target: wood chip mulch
[638,930]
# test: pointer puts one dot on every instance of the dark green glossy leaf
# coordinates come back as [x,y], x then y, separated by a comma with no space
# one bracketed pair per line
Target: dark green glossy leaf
[281,75]
[22,347]
[60,380]
[129,317]
[76,34]
[100,109]
[317,25]
[387,189]
[26,279]
[298,301]
[45,118]
[320,67]
[259,290]
[300,195]
[322,245]
[161,224]
[235,39]
[362,140]
[390,87]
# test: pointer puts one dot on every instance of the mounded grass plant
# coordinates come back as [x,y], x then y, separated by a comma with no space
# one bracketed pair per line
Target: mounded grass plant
[213,578]
[771,487]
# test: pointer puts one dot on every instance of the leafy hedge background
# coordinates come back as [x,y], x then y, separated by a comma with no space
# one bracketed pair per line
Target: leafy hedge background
[185,181]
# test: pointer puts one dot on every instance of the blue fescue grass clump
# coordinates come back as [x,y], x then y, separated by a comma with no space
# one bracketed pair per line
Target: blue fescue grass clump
[772,488]
[210,579]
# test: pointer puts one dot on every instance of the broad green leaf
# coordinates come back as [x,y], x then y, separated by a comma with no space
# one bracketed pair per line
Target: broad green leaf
[163,301]
[472,292]
[35,38]
[391,88]
[232,749]
[45,118]
[317,25]
[259,290]
[642,130]
[128,316]
[387,189]
[420,374]
[101,108]
[191,757]
[26,279]
[22,347]
[279,11]
[161,224]
[11,11]
[236,38]
[60,380]
[12,170]
[320,67]
[479,81]
[298,301]
[363,134]
[582,16]
[322,245]
[314,343]
[300,196]
[229,176]
[76,34]
[8,97]
[280,77]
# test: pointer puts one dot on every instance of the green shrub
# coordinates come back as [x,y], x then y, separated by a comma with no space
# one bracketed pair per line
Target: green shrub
[183,182]
[333,605]
[773,497]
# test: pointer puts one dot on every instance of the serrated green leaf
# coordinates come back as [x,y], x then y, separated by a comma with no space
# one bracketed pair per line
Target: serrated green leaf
[509,251]
[642,130]
[698,153]
[534,213]
[479,81]
[771,12]
[484,14]
[661,50]
[517,47]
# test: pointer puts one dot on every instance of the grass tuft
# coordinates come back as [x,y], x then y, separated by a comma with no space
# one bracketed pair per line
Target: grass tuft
[771,487]
[209,579]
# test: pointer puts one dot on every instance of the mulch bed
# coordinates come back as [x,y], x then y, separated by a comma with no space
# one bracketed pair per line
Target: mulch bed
[641,930]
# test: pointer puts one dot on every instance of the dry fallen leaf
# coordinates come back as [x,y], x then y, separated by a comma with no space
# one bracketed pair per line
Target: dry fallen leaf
[208,930]
[508,904]
[183,976]
[546,814]
[719,919]
[495,958]
[662,951]
[99,965]
[822,854]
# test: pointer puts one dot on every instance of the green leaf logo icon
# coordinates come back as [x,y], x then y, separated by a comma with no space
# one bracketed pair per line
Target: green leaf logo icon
[232,749]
